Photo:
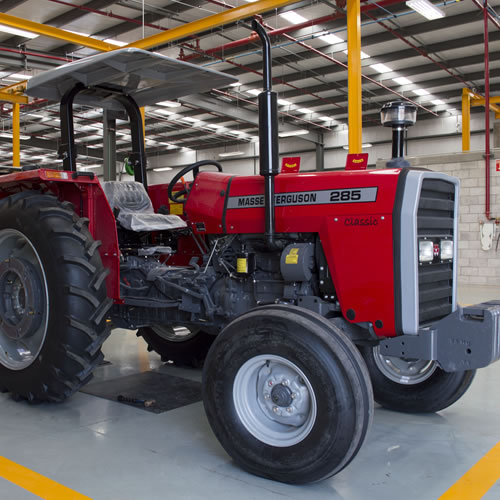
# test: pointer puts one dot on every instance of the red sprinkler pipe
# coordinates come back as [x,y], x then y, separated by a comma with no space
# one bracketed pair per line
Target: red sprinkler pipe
[486,113]
[488,14]
[286,29]
[34,54]
[339,63]
[109,14]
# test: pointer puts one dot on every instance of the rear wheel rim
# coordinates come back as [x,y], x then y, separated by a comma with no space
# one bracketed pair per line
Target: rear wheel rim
[24,301]
[274,400]
[175,333]
[403,371]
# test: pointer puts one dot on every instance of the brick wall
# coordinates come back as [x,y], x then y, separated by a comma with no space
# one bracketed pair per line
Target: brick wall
[475,266]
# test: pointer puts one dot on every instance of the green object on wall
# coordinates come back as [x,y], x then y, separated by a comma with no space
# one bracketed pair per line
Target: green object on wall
[128,167]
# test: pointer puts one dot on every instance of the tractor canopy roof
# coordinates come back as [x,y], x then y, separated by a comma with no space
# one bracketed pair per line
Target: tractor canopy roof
[147,77]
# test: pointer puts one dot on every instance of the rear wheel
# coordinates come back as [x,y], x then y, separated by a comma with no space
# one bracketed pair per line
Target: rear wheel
[287,394]
[181,345]
[53,302]
[413,385]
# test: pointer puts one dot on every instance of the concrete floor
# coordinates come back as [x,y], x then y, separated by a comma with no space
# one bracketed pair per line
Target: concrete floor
[106,450]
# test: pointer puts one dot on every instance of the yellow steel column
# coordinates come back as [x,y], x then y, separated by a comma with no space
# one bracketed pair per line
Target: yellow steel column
[16,145]
[465,120]
[354,75]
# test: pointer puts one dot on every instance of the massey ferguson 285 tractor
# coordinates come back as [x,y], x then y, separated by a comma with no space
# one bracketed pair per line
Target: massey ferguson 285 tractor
[315,286]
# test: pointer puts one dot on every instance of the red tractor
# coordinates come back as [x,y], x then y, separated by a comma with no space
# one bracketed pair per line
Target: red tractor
[314,287]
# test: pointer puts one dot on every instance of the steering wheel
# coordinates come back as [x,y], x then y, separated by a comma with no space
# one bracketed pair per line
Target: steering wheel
[195,167]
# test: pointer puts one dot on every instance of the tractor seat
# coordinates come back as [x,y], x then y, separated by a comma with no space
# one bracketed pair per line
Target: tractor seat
[135,210]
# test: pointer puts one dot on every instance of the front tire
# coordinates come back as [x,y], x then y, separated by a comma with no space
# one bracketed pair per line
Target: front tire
[287,394]
[53,303]
[412,385]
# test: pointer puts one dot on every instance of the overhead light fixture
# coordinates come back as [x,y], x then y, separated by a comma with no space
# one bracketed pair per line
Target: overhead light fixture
[96,165]
[304,110]
[224,98]
[8,135]
[18,32]
[420,92]
[16,77]
[289,133]
[452,110]
[79,33]
[325,118]
[115,42]
[437,102]
[426,9]
[292,17]
[169,104]
[401,80]
[162,169]
[214,126]
[363,54]
[165,112]
[329,38]
[381,68]
[237,84]
[284,102]
[191,119]
[231,153]
[363,146]
[254,91]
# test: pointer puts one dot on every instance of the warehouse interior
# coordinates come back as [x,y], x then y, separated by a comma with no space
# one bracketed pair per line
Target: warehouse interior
[440,57]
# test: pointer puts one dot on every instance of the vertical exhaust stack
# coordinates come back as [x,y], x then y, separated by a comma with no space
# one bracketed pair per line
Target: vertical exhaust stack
[399,115]
[268,132]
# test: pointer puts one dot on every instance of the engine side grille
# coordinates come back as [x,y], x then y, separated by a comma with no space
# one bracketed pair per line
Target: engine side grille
[435,221]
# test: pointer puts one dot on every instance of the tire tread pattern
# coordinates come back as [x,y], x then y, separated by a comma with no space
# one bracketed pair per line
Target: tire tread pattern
[72,350]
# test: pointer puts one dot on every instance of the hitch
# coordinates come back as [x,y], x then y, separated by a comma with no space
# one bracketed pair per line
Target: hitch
[467,339]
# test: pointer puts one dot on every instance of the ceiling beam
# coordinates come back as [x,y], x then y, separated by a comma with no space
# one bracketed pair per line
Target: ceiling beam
[65,18]
[7,5]
[367,41]
[236,112]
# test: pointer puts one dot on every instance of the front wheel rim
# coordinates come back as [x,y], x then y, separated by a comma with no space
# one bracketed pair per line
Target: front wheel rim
[274,400]
[175,333]
[403,371]
[24,301]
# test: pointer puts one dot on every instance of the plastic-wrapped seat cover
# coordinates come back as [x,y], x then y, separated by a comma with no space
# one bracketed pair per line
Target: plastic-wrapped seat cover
[136,211]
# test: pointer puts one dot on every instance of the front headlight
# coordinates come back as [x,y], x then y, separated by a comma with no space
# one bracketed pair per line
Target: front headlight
[425,251]
[446,249]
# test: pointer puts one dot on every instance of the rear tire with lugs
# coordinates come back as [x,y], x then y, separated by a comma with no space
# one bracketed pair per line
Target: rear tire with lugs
[287,394]
[53,304]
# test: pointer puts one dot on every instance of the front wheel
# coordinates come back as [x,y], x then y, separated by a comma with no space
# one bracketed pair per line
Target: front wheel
[413,385]
[287,394]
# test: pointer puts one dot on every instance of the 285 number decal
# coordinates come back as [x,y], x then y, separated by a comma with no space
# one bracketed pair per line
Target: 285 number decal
[345,195]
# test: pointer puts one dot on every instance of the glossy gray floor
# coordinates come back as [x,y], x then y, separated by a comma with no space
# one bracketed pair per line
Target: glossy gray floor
[106,450]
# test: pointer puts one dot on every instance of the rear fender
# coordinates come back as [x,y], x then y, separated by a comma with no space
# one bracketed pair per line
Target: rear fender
[89,201]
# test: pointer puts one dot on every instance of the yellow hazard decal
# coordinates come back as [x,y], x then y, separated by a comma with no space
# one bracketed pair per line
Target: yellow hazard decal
[292,257]
[176,208]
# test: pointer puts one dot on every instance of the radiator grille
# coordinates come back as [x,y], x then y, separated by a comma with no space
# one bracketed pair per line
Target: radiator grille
[435,221]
